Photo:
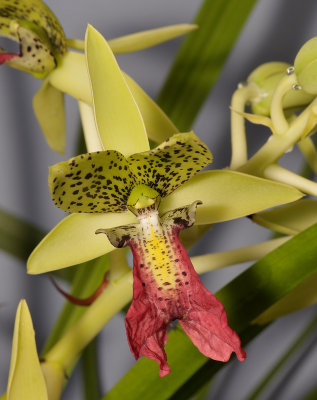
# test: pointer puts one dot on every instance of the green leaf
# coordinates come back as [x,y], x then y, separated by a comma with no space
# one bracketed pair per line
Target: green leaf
[59,248]
[201,58]
[228,194]
[244,298]
[145,39]
[26,380]
[89,363]
[17,237]
[289,219]
[49,109]
[303,296]
[118,118]
[87,279]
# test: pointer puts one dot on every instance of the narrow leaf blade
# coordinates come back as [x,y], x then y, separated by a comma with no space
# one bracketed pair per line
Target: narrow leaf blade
[201,58]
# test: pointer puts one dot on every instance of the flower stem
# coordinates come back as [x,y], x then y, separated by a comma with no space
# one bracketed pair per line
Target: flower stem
[277,114]
[210,262]
[277,145]
[238,134]
[111,301]
[280,174]
[308,149]
[89,364]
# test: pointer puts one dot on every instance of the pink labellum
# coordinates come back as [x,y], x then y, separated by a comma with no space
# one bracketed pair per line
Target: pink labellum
[166,288]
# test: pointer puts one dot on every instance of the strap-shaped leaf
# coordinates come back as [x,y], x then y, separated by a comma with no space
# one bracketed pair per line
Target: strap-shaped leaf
[26,380]
[92,183]
[228,194]
[117,115]
[172,163]
[48,106]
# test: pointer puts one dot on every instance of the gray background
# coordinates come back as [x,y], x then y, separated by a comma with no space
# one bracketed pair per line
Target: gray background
[275,31]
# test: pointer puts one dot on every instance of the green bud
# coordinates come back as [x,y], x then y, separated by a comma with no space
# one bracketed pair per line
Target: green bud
[305,65]
[266,77]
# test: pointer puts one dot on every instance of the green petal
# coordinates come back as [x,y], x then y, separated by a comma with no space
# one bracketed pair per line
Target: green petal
[48,105]
[74,241]
[117,115]
[35,27]
[26,380]
[72,78]
[289,219]
[143,40]
[158,125]
[228,194]
[171,164]
[92,183]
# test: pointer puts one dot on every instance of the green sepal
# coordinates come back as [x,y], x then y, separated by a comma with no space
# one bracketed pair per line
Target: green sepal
[289,219]
[92,183]
[26,380]
[172,163]
[48,106]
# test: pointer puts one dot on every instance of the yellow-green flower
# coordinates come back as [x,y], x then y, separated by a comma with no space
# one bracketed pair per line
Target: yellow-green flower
[44,52]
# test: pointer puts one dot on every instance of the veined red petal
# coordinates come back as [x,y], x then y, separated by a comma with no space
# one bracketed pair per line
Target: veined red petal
[166,287]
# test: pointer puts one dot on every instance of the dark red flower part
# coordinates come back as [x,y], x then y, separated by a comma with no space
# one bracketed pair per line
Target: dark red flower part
[166,288]
[5,57]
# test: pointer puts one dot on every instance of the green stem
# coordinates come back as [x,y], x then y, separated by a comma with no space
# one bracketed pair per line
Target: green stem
[280,174]
[111,301]
[285,357]
[277,145]
[89,362]
[277,114]
[238,135]
[308,149]
[210,262]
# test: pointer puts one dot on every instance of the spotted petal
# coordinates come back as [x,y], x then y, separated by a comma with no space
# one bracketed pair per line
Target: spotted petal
[93,182]
[172,163]
[41,38]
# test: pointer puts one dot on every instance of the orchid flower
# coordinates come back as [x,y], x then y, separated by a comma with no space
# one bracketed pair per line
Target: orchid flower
[143,198]
[166,286]
[44,53]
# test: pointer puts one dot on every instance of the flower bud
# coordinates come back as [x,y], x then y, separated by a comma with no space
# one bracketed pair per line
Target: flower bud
[305,65]
[266,77]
